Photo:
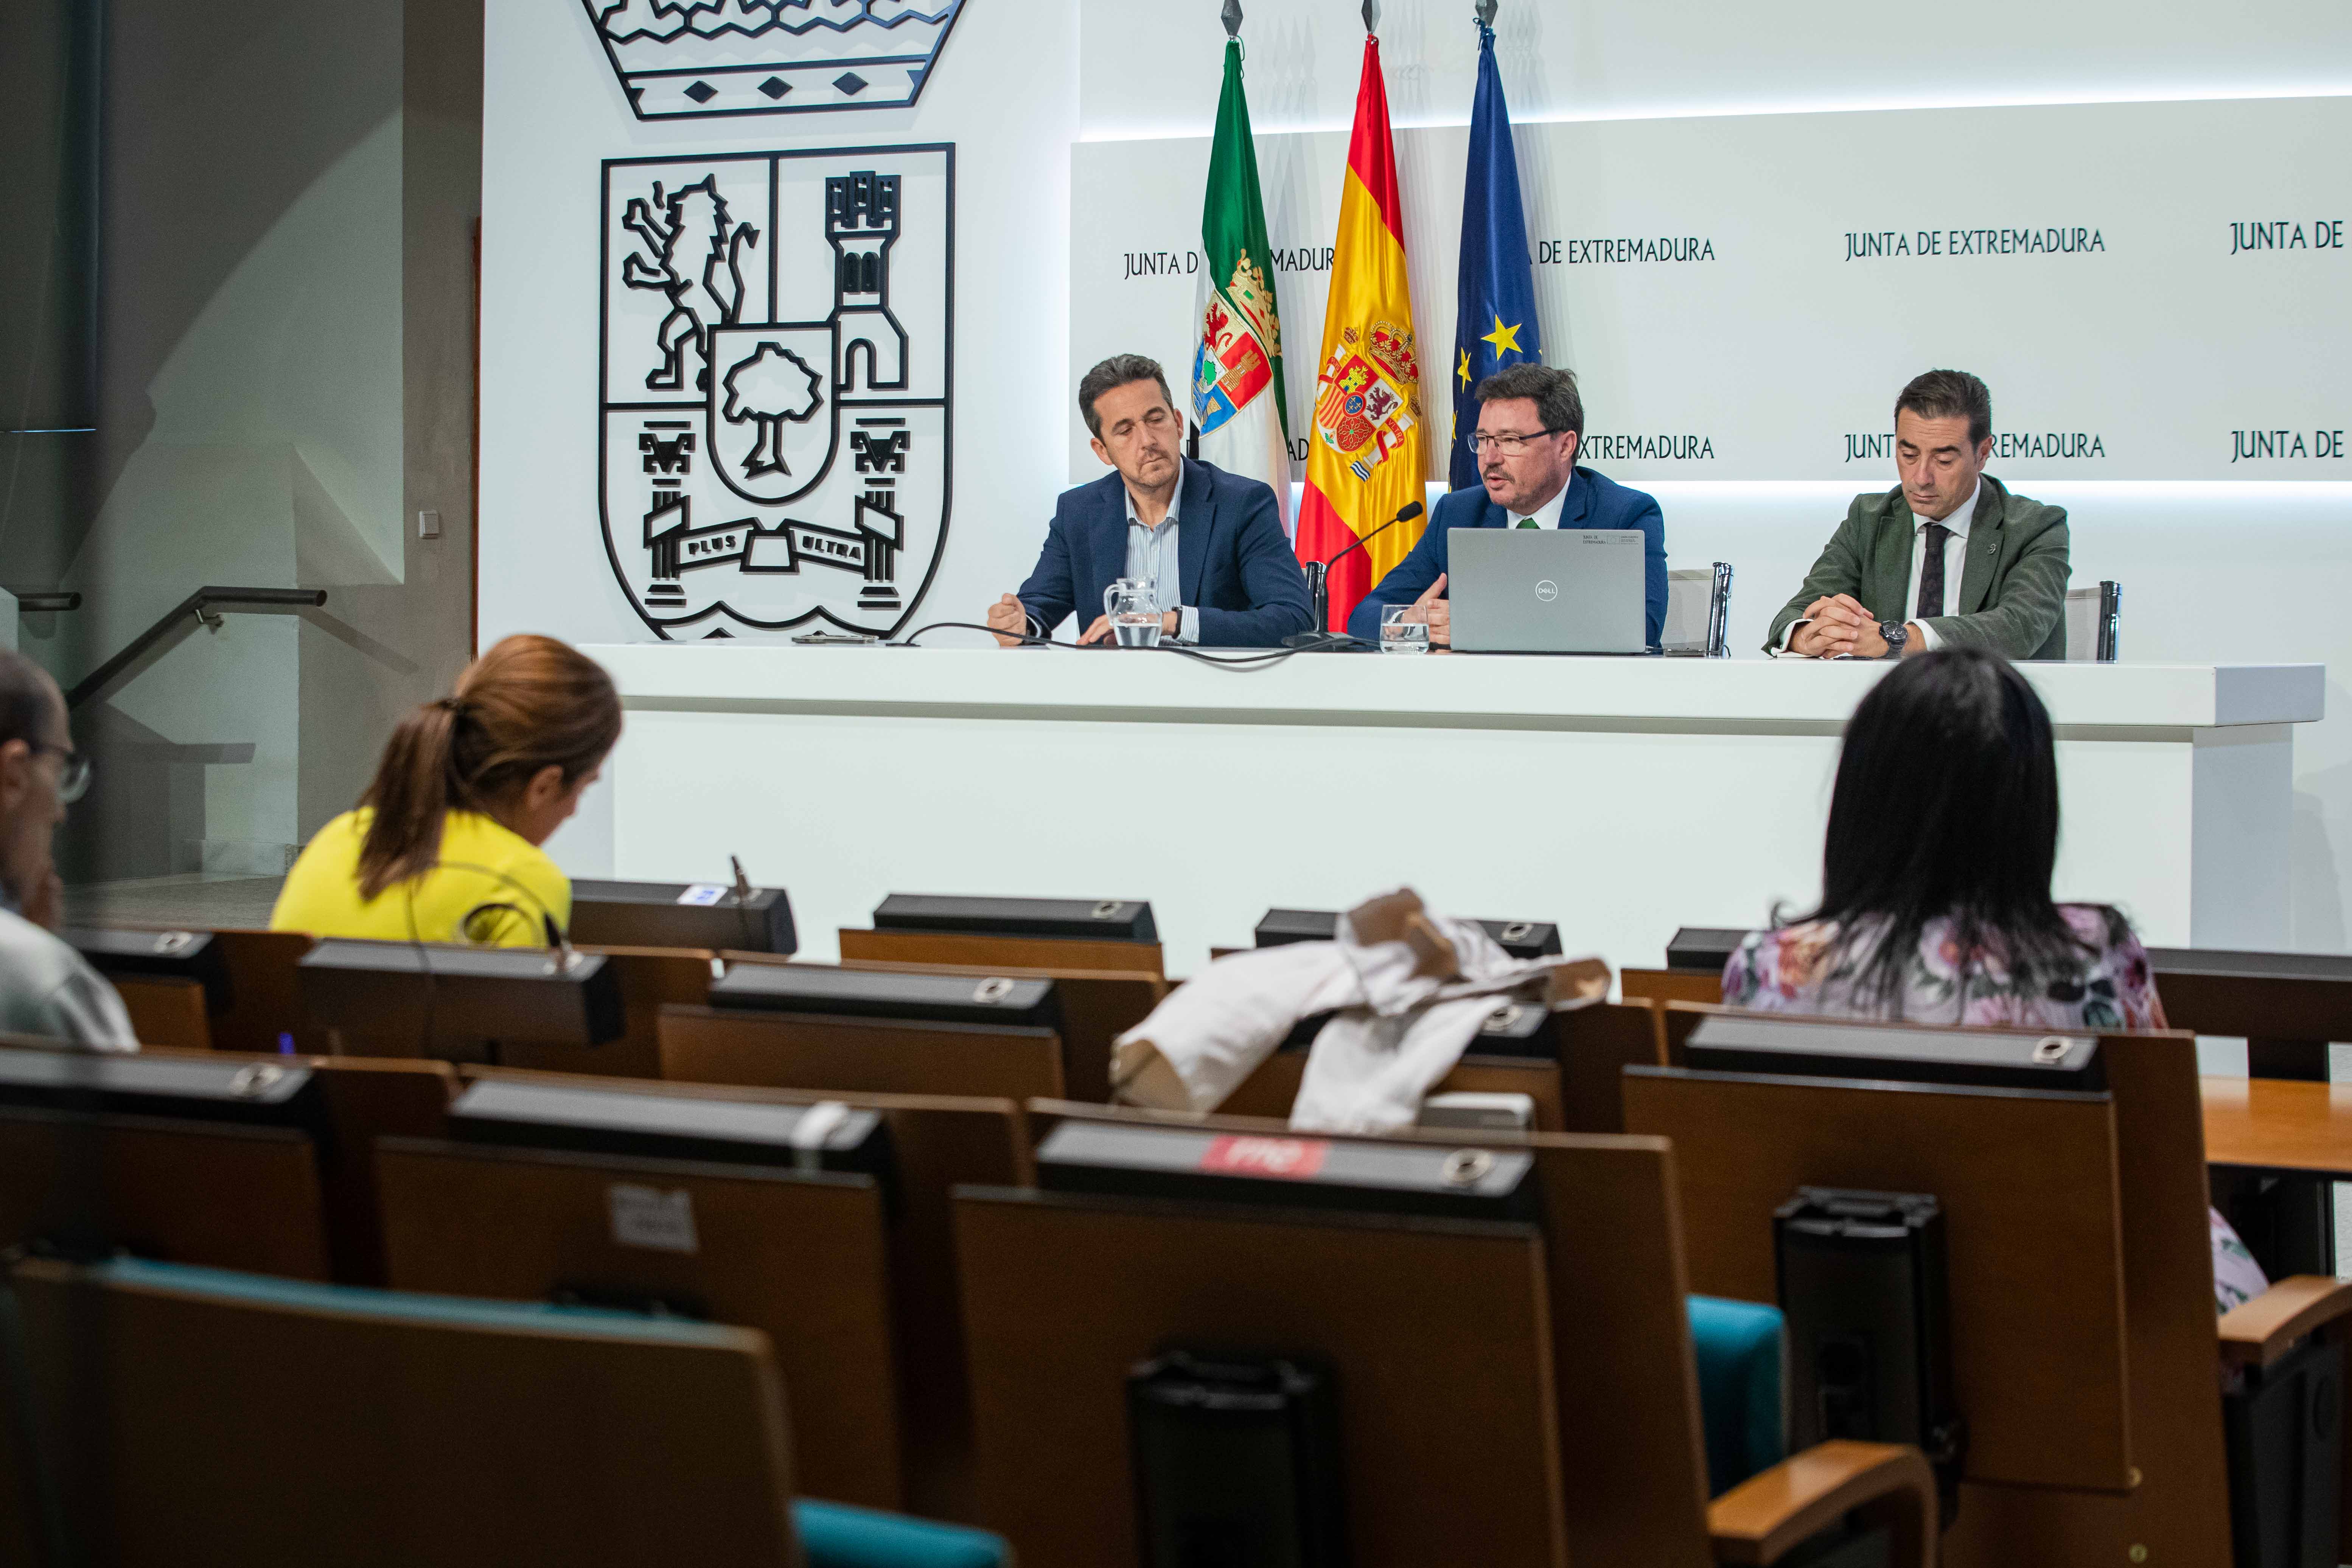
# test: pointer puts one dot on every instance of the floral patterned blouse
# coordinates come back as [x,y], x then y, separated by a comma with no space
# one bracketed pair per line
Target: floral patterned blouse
[1801,969]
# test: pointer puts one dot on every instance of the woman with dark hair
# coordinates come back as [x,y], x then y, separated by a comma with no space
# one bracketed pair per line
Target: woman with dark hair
[444,845]
[1936,903]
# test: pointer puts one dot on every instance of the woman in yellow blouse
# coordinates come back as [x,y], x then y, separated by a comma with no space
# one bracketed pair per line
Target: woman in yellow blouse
[444,845]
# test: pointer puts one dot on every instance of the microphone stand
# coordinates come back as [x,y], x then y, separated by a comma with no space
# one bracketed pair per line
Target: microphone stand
[1318,573]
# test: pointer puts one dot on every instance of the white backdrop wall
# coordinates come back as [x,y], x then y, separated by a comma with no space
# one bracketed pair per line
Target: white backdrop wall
[2214,569]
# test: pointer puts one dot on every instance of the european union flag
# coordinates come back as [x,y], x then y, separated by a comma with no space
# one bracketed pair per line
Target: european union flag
[1494,316]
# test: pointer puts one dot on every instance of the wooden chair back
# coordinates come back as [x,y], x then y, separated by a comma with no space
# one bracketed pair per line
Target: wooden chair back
[652,978]
[938,1143]
[265,1001]
[1669,985]
[363,1098]
[1577,1088]
[264,994]
[388,1433]
[165,1010]
[1614,1349]
[2081,1277]
[966,950]
[1270,1091]
[2286,1006]
[867,1056]
[1595,1044]
[800,1256]
[180,1191]
[1097,1008]
[1436,1335]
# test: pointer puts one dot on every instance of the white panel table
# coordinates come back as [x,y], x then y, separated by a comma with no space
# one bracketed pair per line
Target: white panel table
[1620,797]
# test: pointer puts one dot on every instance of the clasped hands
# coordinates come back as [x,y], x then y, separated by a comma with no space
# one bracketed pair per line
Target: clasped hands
[1838,627]
[1009,619]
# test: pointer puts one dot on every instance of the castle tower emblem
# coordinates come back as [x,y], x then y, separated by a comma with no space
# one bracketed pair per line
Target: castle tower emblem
[777,341]
[689,58]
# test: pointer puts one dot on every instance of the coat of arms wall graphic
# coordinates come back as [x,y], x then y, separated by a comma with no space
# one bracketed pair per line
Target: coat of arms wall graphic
[777,359]
[696,59]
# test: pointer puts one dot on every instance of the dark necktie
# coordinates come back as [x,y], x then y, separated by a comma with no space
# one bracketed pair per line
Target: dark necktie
[1931,572]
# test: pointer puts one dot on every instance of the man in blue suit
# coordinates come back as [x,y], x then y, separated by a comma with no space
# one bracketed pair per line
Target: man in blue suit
[1529,423]
[1209,542]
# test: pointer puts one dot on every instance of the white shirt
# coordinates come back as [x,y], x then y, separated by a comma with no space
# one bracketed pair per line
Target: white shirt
[1547,514]
[1956,557]
[1151,555]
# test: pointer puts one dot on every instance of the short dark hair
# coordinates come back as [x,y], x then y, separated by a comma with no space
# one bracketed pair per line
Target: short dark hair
[1120,370]
[1946,805]
[1947,395]
[28,699]
[1553,390]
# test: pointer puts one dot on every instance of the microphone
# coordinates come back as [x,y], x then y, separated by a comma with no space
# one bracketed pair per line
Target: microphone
[1318,573]
[743,901]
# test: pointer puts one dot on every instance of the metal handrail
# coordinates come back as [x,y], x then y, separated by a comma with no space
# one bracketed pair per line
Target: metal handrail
[199,605]
[38,601]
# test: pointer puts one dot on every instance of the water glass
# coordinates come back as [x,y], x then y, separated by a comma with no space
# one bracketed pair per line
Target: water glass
[1400,635]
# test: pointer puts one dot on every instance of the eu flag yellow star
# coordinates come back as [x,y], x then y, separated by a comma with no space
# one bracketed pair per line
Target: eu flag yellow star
[1464,371]
[1504,339]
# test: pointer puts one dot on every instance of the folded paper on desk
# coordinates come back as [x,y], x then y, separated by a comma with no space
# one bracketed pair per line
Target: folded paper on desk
[1408,991]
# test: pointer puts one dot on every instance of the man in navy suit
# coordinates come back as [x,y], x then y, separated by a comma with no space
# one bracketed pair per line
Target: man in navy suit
[1209,542]
[1529,423]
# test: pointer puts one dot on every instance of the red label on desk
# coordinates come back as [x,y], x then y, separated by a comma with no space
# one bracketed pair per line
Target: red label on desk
[1288,1159]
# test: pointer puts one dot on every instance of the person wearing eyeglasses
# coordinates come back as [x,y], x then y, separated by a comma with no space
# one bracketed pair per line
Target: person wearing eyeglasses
[1531,422]
[46,987]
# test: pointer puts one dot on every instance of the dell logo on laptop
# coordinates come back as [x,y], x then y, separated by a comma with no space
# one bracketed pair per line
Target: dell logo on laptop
[1546,590]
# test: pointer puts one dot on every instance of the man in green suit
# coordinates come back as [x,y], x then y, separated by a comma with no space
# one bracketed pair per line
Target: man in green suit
[1948,558]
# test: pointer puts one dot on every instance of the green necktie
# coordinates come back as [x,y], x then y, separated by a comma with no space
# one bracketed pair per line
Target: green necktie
[1527,522]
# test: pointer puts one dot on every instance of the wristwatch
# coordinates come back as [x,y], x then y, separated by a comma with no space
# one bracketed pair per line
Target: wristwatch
[1897,634]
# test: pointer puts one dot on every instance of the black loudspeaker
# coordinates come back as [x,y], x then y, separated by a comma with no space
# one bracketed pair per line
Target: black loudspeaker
[433,992]
[1786,1046]
[535,1114]
[156,954]
[682,914]
[1091,919]
[996,1002]
[2284,1429]
[1184,1165]
[1703,948]
[1861,1281]
[1237,1461]
[1520,938]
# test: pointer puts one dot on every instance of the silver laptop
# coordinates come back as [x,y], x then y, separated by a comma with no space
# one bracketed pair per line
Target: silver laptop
[1546,590]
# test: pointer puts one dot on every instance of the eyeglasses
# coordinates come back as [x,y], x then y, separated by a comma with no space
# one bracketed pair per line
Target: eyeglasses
[1507,443]
[73,773]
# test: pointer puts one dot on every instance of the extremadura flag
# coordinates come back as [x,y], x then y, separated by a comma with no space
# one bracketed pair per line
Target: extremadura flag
[1237,395]
[1364,456]
[1494,305]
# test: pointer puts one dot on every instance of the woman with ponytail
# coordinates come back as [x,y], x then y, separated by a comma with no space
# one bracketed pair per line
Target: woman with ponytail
[444,845]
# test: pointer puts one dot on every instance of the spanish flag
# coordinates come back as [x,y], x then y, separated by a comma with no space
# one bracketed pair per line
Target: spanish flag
[1365,454]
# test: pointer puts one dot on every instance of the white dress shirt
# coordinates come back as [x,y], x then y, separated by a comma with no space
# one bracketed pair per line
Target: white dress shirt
[1956,559]
[1151,556]
[1547,514]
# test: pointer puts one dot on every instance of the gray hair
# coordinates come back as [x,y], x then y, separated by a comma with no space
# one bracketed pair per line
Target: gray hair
[28,699]
[1552,389]
[1120,370]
